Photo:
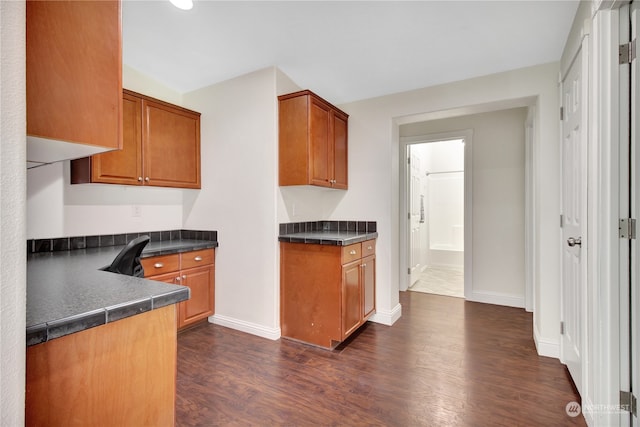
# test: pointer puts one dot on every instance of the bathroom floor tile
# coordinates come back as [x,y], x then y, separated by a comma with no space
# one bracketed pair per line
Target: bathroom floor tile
[441,280]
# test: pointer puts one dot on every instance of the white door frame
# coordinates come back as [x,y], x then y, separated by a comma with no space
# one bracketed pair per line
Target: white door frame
[405,223]
[634,134]
[604,367]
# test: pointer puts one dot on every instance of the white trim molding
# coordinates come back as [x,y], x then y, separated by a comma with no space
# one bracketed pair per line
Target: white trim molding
[387,317]
[247,327]
[545,347]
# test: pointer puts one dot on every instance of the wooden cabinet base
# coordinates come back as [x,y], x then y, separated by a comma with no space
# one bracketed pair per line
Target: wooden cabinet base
[120,373]
[194,269]
[326,292]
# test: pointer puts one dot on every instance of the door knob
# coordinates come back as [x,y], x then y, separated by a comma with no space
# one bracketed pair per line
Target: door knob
[574,241]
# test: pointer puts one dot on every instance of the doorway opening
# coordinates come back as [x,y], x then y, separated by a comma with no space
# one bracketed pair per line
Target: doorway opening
[436,206]
[437,197]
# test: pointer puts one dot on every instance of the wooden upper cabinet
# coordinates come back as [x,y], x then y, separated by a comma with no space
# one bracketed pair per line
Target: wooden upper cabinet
[161,147]
[74,72]
[121,166]
[312,142]
[171,148]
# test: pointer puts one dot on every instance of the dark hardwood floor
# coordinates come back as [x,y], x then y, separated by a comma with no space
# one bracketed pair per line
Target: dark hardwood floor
[446,362]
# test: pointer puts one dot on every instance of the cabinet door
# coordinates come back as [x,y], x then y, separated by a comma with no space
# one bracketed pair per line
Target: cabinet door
[171,146]
[340,157]
[201,304]
[123,166]
[74,71]
[351,300]
[368,268]
[171,278]
[320,151]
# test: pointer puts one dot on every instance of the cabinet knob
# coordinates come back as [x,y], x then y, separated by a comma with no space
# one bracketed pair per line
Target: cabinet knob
[363,265]
[146,179]
[184,277]
[139,179]
[352,252]
[178,279]
[198,258]
[369,248]
[158,265]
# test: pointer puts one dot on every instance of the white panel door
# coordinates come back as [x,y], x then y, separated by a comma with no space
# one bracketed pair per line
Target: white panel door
[415,246]
[574,193]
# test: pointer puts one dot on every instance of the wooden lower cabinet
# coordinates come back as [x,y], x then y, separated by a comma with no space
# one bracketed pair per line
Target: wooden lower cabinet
[326,292]
[196,270]
[116,374]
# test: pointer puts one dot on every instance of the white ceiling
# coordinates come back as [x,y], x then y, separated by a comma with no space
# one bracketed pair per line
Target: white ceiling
[342,50]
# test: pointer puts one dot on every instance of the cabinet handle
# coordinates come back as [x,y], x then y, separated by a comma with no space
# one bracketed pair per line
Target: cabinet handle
[352,252]
[198,258]
[369,248]
[146,179]
[158,265]
[139,179]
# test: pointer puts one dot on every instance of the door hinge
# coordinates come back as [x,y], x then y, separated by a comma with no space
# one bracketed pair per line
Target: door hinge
[561,328]
[628,402]
[627,228]
[627,52]
[408,270]
[561,220]
[561,113]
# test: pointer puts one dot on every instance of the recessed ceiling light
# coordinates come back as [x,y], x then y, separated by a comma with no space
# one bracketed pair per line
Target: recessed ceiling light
[182,4]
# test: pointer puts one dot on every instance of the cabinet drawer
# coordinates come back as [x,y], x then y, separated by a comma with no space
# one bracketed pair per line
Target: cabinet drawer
[196,258]
[368,248]
[351,253]
[160,264]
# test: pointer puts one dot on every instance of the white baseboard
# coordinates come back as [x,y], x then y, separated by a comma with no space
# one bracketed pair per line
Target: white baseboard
[387,317]
[497,299]
[544,347]
[248,327]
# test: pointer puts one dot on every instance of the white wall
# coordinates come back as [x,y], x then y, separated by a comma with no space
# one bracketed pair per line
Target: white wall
[445,195]
[12,213]
[374,174]
[498,165]
[55,208]
[239,197]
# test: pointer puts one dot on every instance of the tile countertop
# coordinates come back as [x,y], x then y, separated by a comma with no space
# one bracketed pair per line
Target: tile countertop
[339,238]
[324,232]
[67,293]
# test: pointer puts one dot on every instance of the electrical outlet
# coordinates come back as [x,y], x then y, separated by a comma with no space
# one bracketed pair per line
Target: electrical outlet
[136,211]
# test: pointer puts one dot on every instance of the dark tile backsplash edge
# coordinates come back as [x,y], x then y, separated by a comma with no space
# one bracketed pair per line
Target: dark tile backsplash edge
[310,226]
[98,241]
